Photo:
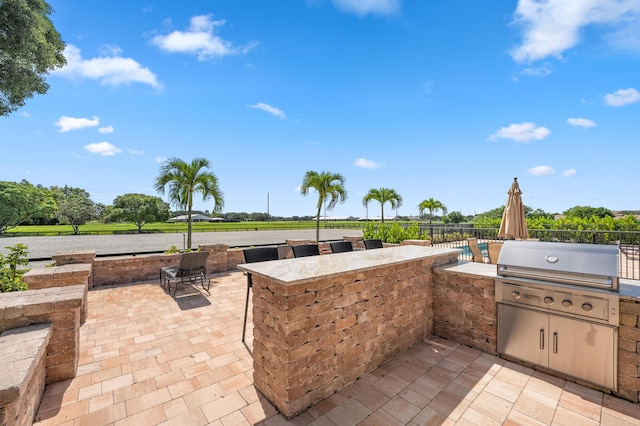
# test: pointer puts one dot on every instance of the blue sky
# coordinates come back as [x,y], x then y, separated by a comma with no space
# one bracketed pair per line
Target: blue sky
[449,99]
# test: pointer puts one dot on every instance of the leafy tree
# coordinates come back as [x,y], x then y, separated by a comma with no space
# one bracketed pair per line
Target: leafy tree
[586,212]
[187,179]
[454,217]
[30,47]
[21,202]
[76,209]
[139,209]
[383,196]
[329,186]
[431,205]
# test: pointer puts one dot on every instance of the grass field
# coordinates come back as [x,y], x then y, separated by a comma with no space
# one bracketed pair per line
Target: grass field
[129,228]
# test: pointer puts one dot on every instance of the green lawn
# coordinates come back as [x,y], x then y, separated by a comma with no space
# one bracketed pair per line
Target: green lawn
[115,228]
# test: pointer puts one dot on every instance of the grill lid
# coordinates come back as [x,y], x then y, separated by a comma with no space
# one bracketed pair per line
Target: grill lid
[580,264]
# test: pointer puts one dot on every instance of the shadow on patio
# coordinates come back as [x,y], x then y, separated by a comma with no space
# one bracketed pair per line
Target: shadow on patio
[148,359]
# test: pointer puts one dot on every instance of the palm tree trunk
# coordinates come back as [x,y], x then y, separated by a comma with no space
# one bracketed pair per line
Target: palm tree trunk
[189,228]
[382,204]
[318,225]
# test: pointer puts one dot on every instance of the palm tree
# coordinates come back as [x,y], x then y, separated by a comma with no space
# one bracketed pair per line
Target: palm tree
[329,186]
[383,195]
[187,179]
[431,205]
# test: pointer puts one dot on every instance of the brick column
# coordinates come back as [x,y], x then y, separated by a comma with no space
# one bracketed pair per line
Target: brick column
[629,350]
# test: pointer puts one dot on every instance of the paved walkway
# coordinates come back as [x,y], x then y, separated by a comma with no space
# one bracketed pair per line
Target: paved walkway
[44,247]
[149,359]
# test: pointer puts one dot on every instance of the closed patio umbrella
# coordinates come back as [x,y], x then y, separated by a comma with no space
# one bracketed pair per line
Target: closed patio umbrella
[514,225]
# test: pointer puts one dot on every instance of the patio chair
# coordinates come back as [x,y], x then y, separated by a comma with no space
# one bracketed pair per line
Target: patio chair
[475,250]
[341,246]
[494,252]
[252,255]
[192,268]
[372,243]
[304,250]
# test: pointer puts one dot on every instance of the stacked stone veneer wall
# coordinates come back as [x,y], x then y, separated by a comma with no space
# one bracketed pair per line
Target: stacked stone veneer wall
[464,308]
[62,276]
[22,351]
[629,350]
[313,338]
[59,306]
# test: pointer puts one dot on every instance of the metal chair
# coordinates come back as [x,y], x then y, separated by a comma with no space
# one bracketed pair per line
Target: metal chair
[372,243]
[252,255]
[305,250]
[192,267]
[341,246]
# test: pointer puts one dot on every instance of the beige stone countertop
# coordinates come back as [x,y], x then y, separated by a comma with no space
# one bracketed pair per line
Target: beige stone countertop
[630,288]
[470,268]
[291,271]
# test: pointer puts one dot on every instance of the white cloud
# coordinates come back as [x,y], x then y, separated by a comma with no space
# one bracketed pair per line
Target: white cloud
[102,148]
[270,109]
[25,114]
[106,130]
[161,159]
[570,172]
[553,26]
[523,132]
[539,71]
[200,39]
[541,170]
[581,122]
[622,97]
[67,124]
[109,69]
[365,7]
[366,164]
[135,151]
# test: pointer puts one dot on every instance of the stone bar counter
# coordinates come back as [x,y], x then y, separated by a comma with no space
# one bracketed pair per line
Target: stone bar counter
[322,322]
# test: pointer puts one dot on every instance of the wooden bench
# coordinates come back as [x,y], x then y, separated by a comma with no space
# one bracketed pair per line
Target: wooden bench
[22,353]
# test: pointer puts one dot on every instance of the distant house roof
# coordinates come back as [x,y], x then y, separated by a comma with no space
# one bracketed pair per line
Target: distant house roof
[195,218]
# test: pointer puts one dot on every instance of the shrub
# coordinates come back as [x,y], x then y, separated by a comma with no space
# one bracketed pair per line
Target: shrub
[172,250]
[10,274]
[394,233]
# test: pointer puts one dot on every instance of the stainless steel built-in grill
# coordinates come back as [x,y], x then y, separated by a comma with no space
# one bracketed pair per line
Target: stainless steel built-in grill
[558,307]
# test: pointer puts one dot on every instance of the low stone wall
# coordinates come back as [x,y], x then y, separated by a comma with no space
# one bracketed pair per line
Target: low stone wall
[22,351]
[62,276]
[629,350]
[464,306]
[59,306]
[312,339]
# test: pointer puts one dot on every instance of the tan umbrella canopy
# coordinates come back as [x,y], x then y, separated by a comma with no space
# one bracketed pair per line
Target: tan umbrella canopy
[514,225]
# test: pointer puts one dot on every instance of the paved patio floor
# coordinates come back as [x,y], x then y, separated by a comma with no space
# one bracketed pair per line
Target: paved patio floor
[149,359]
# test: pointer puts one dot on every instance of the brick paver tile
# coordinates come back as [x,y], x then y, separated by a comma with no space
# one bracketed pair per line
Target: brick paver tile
[258,411]
[351,412]
[151,416]
[104,416]
[147,400]
[223,406]
[101,401]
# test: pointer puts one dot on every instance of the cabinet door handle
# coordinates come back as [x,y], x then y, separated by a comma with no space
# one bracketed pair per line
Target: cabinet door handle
[555,342]
[542,339]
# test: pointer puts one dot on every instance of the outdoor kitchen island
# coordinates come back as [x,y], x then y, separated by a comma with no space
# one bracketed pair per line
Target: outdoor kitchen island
[321,322]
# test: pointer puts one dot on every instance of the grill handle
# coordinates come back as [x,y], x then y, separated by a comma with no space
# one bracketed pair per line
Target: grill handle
[542,339]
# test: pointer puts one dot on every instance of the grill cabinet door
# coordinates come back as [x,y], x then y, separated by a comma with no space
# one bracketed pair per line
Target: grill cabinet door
[583,349]
[523,334]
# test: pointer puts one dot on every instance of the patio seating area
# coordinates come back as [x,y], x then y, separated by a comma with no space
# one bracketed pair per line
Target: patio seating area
[148,358]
